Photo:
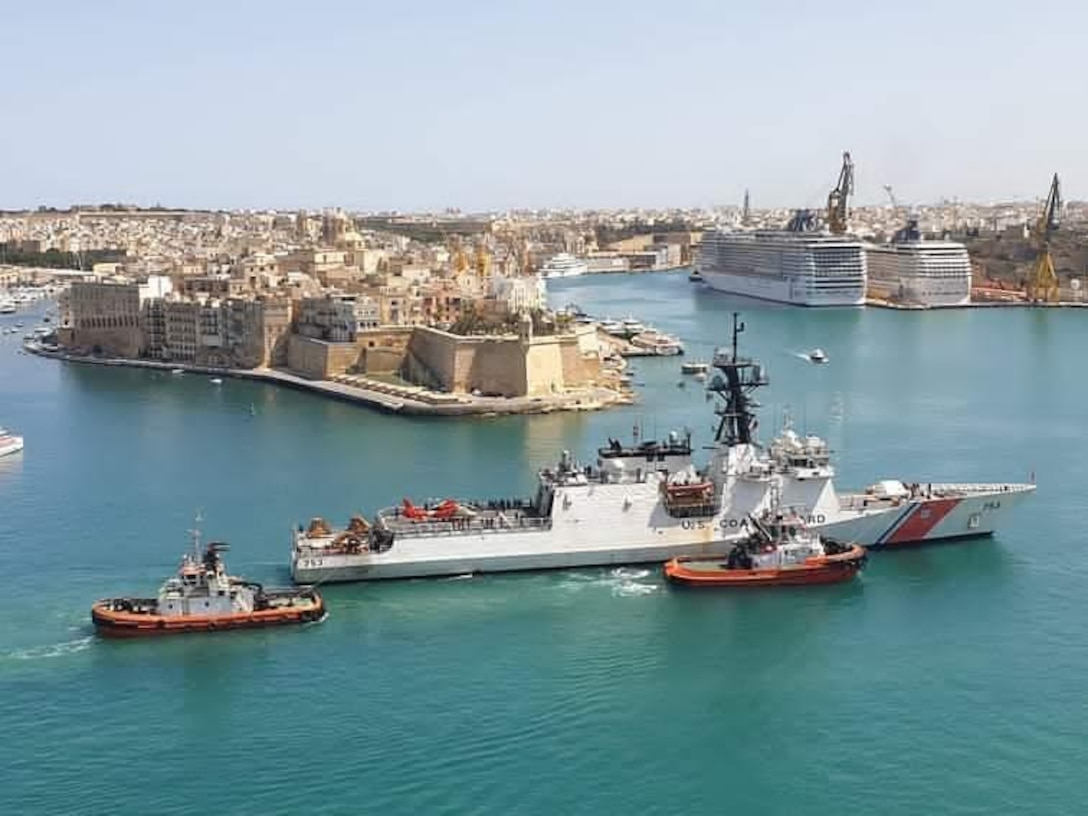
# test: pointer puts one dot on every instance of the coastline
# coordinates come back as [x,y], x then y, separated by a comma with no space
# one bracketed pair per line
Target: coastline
[387,398]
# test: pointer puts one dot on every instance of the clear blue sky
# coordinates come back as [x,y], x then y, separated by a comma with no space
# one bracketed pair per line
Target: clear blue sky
[488,104]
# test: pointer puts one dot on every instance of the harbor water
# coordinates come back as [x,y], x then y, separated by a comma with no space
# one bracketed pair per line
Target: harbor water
[947,679]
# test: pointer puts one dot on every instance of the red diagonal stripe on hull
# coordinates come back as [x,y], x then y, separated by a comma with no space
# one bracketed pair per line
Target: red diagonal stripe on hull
[925,517]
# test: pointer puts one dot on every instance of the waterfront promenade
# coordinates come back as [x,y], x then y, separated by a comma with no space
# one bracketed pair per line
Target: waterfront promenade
[371,393]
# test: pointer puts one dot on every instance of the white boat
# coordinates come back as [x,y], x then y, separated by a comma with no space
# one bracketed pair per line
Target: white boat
[612,327]
[659,343]
[7,304]
[817,355]
[632,326]
[649,502]
[912,270]
[9,442]
[563,265]
[215,381]
[693,367]
[177,371]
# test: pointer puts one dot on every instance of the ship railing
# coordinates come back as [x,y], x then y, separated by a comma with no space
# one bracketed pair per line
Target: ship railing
[961,489]
[498,522]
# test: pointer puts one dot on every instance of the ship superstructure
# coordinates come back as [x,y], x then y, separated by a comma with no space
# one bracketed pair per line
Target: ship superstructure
[649,502]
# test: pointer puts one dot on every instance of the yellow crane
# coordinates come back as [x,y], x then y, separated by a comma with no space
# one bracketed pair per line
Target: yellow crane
[483,261]
[1043,284]
[837,213]
[459,261]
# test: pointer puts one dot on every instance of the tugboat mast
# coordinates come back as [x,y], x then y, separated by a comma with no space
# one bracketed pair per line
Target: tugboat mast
[743,376]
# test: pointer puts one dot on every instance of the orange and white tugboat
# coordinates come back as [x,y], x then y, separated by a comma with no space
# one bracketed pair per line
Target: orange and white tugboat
[202,597]
[781,550]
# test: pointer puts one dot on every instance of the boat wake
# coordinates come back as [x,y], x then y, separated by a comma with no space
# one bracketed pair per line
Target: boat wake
[622,582]
[62,649]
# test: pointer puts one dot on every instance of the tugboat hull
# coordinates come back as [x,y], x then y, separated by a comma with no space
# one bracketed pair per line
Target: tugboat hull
[830,569]
[112,620]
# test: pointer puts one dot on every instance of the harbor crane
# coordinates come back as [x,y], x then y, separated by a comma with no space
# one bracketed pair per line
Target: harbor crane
[909,231]
[837,213]
[1043,284]
[891,196]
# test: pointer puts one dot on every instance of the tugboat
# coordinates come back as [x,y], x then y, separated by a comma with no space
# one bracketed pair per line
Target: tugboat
[781,550]
[202,597]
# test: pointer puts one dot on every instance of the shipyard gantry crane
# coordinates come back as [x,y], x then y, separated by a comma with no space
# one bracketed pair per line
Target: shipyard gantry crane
[837,213]
[1043,284]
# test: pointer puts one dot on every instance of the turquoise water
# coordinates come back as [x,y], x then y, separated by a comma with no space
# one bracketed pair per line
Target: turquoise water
[948,679]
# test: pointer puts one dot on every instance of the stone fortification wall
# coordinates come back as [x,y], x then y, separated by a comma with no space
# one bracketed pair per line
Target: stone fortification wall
[506,365]
[383,350]
[319,360]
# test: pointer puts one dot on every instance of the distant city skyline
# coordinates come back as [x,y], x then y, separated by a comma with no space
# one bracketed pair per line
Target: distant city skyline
[489,107]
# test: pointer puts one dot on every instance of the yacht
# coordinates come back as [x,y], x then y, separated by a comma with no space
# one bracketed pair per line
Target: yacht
[7,304]
[659,343]
[563,265]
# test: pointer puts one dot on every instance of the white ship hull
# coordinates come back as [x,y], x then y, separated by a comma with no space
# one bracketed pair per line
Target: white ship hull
[966,511]
[592,539]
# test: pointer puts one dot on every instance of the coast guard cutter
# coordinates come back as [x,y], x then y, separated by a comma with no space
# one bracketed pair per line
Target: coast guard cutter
[649,502]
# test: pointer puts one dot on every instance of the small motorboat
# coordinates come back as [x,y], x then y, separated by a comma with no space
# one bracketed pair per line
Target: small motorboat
[817,355]
[9,443]
[780,550]
[177,371]
[202,597]
[215,381]
[696,276]
[693,367]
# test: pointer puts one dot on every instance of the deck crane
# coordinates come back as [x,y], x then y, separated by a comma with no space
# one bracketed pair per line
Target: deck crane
[837,212]
[1043,284]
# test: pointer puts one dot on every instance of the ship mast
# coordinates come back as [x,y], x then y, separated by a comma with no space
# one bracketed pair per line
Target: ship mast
[743,376]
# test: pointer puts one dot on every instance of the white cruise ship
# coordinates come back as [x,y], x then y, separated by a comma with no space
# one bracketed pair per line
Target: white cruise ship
[915,271]
[796,267]
[563,265]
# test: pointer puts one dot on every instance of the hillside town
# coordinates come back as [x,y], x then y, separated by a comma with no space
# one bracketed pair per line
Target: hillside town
[440,308]
[424,310]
